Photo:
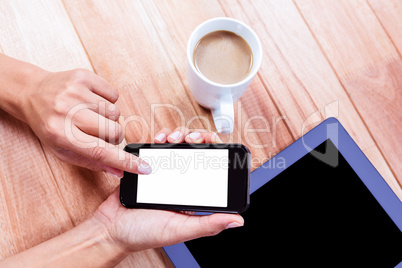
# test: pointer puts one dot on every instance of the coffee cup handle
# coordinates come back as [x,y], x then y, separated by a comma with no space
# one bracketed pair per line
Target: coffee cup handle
[223,115]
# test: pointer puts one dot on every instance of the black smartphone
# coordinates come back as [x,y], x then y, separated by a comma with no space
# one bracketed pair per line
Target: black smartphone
[190,177]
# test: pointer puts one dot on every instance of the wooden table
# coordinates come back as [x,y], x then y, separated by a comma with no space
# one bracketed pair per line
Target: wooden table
[321,58]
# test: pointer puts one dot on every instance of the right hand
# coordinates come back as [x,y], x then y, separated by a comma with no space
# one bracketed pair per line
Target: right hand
[139,229]
[74,114]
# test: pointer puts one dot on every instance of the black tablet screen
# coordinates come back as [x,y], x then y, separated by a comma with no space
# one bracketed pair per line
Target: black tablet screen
[310,215]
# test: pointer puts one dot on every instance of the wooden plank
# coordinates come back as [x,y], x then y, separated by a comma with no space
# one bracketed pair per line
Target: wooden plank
[31,208]
[298,77]
[40,33]
[389,13]
[367,64]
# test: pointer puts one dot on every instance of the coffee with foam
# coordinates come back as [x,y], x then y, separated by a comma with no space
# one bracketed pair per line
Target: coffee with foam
[223,57]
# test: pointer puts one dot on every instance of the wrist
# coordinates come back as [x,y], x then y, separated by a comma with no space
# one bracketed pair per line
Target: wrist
[88,244]
[107,241]
[17,81]
[31,80]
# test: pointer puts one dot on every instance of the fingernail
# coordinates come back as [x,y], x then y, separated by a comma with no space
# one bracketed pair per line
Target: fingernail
[194,135]
[144,169]
[233,225]
[175,135]
[217,139]
[112,107]
[161,137]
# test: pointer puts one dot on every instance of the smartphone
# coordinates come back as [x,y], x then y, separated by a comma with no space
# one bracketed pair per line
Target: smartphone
[189,177]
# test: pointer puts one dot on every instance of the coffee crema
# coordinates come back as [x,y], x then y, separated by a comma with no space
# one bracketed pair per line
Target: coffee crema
[223,57]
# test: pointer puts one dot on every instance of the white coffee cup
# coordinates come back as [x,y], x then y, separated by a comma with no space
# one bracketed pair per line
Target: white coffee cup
[219,98]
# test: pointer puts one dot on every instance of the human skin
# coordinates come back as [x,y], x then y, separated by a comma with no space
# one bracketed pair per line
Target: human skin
[73,113]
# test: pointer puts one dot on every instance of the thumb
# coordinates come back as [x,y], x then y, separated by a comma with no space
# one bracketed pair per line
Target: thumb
[200,226]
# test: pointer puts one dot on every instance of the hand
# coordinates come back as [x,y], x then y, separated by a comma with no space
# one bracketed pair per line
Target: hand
[74,114]
[139,229]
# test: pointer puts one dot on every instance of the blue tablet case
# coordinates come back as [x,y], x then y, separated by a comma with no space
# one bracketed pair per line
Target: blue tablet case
[331,129]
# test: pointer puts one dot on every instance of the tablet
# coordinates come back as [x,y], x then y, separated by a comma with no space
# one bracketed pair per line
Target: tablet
[318,203]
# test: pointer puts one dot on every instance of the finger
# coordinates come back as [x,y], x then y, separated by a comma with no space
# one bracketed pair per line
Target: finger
[161,136]
[76,159]
[200,136]
[195,137]
[199,226]
[101,105]
[112,171]
[106,108]
[212,137]
[105,153]
[82,161]
[177,136]
[101,87]
[98,126]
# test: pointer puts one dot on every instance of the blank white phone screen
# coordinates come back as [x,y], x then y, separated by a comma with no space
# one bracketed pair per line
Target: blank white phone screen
[197,177]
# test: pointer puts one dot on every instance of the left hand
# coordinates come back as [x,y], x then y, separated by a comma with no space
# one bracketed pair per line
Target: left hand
[74,114]
[140,229]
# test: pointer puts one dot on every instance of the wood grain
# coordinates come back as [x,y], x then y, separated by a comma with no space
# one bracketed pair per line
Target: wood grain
[368,66]
[40,33]
[389,13]
[31,208]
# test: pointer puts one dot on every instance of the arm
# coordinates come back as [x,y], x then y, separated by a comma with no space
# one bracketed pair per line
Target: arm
[73,113]
[16,78]
[114,231]
[86,245]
